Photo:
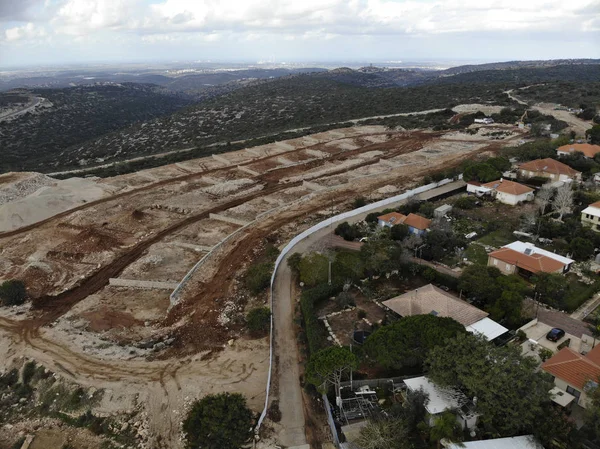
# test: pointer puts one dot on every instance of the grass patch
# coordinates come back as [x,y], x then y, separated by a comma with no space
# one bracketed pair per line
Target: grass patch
[476,253]
[497,238]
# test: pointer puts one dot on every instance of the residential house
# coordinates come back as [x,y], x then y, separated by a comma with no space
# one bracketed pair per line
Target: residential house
[416,223]
[522,442]
[484,121]
[435,301]
[590,216]
[510,192]
[442,399]
[527,259]
[391,219]
[575,374]
[548,168]
[588,150]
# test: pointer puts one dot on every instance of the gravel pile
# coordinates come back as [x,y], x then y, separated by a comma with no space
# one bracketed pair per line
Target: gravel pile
[24,184]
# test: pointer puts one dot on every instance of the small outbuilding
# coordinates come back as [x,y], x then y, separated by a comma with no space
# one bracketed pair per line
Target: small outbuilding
[442,210]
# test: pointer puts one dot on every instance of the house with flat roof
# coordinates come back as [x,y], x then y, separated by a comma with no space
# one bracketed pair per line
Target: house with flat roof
[548,168]
[509,192]
[588,150]
[527,259]
[574,373]
[442,399]
[430,300]
[416,223]
[522,442]
[590,216]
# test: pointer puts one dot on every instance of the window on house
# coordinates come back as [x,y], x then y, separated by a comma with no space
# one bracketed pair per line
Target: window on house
[574,392]
[495,262]
[507,267]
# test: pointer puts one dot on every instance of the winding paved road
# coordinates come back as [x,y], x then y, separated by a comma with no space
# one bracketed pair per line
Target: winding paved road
[285,346]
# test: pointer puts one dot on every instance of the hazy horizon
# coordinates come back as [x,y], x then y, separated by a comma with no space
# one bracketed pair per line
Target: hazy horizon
[58,32]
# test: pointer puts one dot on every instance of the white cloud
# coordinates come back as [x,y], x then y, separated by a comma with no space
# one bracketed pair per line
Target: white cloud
[26,32]
[294,20]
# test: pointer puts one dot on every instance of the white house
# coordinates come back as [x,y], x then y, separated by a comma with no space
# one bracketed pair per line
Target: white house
[510,192]
[590,216]
[442,399]
[522,442]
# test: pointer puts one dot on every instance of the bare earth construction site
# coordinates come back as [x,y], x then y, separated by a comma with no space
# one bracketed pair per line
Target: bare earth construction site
[102,267]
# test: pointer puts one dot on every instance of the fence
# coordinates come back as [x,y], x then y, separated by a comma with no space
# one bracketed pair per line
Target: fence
[324,224]
[331,421]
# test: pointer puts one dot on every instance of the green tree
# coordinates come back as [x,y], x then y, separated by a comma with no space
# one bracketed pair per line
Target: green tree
[482,172]
[328,366]
[480,281]
[582,249]
[407,342]
[12,292]
[258,277]
[592,415]
[359,201]
[293,262]
[385,434]
[445,426]
[551,288]
[220,421]
[380,255]
[512,396]
[347,266]
[426,209]
[259,320]
[399,232]
[314,269]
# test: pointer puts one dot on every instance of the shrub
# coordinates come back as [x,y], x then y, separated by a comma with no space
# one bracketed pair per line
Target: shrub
[315,335]
[359,202]
[28,371]
[347,231]
[294,262]
[466,202]
[545,354]
[361,314]
[372,217]
[564,344]
[12,292]
[259,320]
[218,421]
[258,277]
[399,232]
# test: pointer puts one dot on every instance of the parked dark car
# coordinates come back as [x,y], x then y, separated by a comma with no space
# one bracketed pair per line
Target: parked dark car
[555,334]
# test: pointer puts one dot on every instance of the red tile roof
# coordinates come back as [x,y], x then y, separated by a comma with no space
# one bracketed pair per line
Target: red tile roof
[393,218]
[534,263]
[510,187]
[417,222]
[587,149]
[572,367]
[549,165]
[594,355]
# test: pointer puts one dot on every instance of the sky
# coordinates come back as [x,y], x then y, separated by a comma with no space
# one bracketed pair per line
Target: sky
[46,32]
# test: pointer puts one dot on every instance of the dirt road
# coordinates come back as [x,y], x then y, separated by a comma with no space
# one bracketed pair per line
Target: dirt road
[162,385]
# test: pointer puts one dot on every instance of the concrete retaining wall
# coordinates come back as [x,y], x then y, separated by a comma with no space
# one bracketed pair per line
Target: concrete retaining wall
[156,285]
[221,159]
[245,169]
[235,221]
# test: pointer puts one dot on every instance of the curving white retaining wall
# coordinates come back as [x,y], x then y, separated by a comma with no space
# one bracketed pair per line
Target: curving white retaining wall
[313,229]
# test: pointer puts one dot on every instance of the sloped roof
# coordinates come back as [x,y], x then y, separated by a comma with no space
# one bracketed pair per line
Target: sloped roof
[440,399]
[587,149]
[594,355]
[432,300]
[549,165]
[534,263]
[510,187]
[572,367]
[392,217]
[417,222]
